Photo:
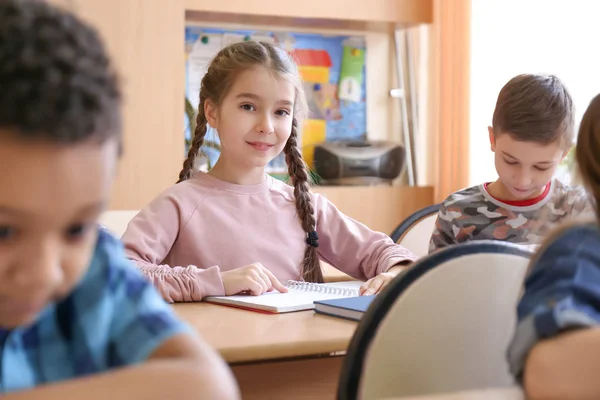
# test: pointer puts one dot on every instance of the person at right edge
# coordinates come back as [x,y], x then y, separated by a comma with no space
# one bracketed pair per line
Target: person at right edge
[555,352]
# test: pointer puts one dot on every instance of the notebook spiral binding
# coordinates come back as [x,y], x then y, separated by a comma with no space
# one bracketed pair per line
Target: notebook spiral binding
[320,288]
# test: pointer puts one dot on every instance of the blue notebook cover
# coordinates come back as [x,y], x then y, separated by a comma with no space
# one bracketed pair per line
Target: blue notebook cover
[349,308]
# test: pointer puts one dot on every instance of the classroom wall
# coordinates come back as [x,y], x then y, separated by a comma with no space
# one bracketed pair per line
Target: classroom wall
[145,40]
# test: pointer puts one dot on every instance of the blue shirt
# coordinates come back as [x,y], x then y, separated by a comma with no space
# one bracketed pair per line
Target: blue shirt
[562,291]
[113,317]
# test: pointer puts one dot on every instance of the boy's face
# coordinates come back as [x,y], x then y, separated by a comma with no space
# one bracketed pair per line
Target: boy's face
[524,168]
[50,199]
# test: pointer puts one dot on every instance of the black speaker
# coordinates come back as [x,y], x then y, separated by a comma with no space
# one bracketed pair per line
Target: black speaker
[358,162]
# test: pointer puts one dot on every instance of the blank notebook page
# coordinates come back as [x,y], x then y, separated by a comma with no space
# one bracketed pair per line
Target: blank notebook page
[300,296]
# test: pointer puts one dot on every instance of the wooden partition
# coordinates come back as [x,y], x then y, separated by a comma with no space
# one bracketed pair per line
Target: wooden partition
[146,41]
[381,208]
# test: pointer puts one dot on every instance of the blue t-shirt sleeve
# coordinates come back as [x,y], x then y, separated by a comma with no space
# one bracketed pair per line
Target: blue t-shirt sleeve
[562,292]
[141,320]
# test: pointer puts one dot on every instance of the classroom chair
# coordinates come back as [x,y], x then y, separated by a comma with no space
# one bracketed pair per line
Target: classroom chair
[116,221]
[442,326]
[415,231]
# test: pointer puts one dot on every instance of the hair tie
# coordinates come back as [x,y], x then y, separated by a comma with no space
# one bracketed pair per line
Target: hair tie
[312,239]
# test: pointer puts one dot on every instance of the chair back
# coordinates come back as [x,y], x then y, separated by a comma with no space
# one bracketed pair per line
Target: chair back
[442,326]
[414,233]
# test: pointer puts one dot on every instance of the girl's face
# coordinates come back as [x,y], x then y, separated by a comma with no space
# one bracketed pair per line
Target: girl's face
[51,196]
[254,120]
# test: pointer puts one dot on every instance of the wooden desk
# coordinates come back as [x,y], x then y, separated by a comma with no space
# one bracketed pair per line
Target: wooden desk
[275,356]
[513,393]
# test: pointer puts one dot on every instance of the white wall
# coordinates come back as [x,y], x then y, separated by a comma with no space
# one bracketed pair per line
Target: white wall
[510,37]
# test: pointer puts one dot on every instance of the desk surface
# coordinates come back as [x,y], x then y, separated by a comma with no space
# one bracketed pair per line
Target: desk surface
[245,336]
[513,393]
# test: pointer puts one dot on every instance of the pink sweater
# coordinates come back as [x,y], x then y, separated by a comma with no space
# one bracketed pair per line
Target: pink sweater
[194,230]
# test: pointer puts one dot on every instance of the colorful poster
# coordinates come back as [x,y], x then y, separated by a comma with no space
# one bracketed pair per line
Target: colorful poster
[351,74]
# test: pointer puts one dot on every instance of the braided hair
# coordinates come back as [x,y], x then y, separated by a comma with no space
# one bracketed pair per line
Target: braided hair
[216,83]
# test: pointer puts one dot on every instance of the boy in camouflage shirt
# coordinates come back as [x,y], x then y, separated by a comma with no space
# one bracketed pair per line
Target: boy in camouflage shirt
[532,131]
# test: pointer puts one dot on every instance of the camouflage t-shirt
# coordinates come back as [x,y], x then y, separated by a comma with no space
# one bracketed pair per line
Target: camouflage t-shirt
[473,214]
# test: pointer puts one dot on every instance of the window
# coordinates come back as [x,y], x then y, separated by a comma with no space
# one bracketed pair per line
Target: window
[509,37]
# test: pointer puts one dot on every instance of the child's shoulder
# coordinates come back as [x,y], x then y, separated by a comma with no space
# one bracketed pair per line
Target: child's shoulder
[189,190]
[113,295]
[468,196]
[281,188]
[109,275]
[573,199]
[576,233]
[112,318]
[588,231]
[562,189]
[286,190]
[576,240]
[183,197]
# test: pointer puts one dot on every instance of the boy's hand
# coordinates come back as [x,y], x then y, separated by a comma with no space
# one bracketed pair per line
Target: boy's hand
[254,279]
[376,284]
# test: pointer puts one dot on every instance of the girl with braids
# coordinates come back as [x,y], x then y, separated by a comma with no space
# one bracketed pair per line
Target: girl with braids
[235,229]
[556,348]
[77,321]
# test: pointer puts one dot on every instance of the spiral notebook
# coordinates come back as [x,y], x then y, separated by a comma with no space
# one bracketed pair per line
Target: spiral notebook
[300,296]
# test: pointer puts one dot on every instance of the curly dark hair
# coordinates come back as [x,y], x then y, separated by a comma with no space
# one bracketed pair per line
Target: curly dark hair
[56,80]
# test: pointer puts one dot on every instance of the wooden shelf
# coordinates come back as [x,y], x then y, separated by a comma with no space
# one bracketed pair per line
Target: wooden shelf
[375,15]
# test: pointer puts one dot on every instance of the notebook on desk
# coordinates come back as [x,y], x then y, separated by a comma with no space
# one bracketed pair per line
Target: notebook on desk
[349,308]
[300,296]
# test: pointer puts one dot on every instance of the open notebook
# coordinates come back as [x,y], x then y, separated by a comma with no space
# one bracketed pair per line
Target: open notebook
[300,296]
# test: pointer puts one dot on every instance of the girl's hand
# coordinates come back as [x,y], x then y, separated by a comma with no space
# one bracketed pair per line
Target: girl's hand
[254,279]
[376,285]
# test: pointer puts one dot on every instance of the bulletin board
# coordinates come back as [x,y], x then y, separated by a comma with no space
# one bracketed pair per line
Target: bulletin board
[332,69]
